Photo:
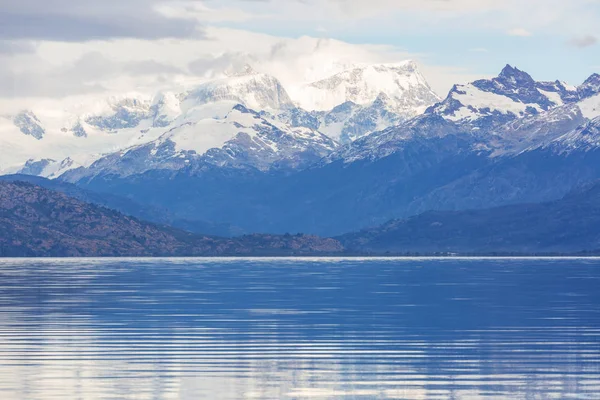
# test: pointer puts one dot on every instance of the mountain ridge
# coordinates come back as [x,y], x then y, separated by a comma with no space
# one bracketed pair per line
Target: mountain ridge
[128,207]
[362,84]
[38,222]
[85,133]
[434,161]
[568,225]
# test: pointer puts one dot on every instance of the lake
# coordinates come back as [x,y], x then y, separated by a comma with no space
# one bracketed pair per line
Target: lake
[314,328]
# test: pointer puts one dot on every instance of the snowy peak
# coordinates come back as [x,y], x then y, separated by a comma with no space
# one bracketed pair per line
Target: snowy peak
[165,108]
[347,121]
[590,87]
[128,112]
[402,83]
[361,100]
[269,145]
[35,167]
[361,75]
[558,92]
[256,91]
[585,137]
[239,138]
[121,114]
[487,103]
[512,76]
[247,119]
[517,85]
[386,142]
[534,131]
[29,124]
[245,70]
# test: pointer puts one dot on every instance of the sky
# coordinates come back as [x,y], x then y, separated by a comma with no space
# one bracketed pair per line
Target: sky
[59,50]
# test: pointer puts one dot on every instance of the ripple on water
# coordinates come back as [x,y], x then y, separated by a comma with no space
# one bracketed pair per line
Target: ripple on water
[300,329]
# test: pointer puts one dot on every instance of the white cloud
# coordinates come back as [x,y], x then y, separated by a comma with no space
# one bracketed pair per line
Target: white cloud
[91,73]
[60,70]
[169,43]
[519,32]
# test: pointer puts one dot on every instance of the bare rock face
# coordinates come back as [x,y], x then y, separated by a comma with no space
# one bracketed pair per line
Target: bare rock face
[38,222]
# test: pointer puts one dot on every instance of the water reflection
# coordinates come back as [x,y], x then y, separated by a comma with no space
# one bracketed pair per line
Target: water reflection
[304,329]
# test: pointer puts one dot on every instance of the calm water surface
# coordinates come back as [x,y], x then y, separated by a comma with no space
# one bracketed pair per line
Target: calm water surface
[300,329]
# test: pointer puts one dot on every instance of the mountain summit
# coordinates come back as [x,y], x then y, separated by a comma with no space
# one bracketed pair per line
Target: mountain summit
[207,155]
[489,103]
[402,83]
[254,90]
[590,87]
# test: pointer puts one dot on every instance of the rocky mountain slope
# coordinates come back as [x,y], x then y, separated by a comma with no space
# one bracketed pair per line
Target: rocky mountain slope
[364,99]
[488,103]
[401,83]
[167,130]
[237,138]
[38,222]
[506,140]
[126,206]
[569,225]
[431,162]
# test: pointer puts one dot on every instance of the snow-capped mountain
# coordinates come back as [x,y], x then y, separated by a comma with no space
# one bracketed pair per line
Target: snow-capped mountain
[121,114]
[266,145]
[590,87]
[78,135]
[584,135]
[117,113]
[533,131]
[204,151]
[382,144]
[52,136]
[358,121]
[583,138]
[229,135]
[361,100]
[49,141]
[29,124]
[348,121]
[489,103]
[590,106]
[493,142]
[165,108]
[255,90]
[566,128]
[344,123]
[402,83]
[502,116]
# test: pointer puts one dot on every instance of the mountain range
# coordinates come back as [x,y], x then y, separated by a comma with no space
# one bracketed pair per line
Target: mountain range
[37,221]
[355,150]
